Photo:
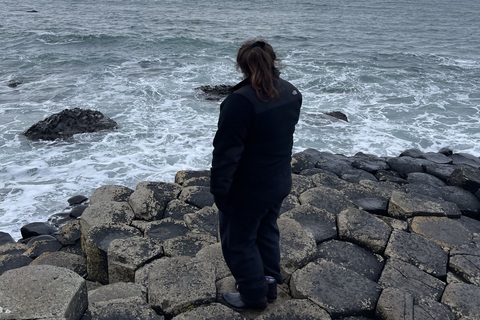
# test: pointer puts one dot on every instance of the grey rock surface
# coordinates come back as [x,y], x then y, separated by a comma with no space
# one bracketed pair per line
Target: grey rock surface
[193,285]
[42,292]
[338,290]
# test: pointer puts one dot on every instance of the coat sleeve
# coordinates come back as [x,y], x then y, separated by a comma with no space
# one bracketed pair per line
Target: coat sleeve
[236,114]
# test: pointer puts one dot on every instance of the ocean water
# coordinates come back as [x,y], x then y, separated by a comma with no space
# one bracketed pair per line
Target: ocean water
[406,73]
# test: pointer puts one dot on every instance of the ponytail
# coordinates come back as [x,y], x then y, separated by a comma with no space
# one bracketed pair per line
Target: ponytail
[257,59]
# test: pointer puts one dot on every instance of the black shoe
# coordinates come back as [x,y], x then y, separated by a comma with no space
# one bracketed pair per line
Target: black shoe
[235,301]
[272,289]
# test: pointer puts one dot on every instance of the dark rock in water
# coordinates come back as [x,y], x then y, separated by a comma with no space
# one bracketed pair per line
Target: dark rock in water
[77,211]
[36,229]
[215,92]
[5,238]
[337,114]
[446,151]
[78,199]
[14,84]
[414,153]
[69,122]
[59,219]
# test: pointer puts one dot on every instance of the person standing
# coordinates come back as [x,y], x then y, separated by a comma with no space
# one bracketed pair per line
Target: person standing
[251,173]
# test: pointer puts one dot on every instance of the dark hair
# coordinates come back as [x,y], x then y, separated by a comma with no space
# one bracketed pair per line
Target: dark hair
[256,59]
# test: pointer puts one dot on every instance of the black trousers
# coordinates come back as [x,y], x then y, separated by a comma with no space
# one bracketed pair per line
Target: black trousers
[250,245]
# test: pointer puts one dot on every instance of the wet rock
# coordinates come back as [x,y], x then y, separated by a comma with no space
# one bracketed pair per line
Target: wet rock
[370,165]
[150,199]
[76,200]
[36,229]
[337,115]
[446,232]
[333,164]
[412,248]
[364,229]
[413,153]
[193,285]
[14,84]
[320,223]
[66,298]
[467,178]
[404,276]
[405,165]
[340,291]
[441,171]
[352,257]
[215,92]
[69,122]
[297,246]
[425,178]
[74,262]
[77,211]
[468,204]
[125,256]
[465,160]
[436,157]
[197,196]
[462,298]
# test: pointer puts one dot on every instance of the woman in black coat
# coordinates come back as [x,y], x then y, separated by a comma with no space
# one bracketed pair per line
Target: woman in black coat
[251,173]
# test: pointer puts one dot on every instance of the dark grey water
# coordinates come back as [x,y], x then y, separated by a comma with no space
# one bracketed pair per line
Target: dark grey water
[406,73]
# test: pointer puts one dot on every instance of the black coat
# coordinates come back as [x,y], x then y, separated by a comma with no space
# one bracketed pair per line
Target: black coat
[253,145]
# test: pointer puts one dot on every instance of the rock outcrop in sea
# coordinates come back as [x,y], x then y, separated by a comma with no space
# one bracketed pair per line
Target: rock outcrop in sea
[69,122]
[362,237]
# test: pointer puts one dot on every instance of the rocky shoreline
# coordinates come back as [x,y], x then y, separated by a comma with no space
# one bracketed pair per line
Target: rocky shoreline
[362,237]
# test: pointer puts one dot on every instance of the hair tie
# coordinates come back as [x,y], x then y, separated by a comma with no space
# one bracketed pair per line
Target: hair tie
[260,44]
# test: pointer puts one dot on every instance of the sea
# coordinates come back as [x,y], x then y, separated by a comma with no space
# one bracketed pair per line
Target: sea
[406,73]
